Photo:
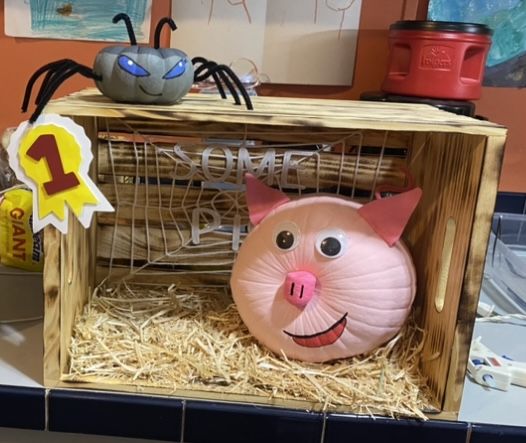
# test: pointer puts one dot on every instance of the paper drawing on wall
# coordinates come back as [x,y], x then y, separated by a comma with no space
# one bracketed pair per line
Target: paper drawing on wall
[76,19]
[336,6]
[506,63]
[242,3]
[301,42]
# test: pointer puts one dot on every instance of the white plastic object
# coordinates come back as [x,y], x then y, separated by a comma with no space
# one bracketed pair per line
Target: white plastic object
[491,370]
[485,309]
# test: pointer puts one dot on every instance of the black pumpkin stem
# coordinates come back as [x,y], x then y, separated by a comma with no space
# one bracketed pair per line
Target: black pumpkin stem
[129,26]
[159,28]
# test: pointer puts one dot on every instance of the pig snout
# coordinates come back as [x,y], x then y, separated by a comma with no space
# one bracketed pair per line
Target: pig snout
[299,288]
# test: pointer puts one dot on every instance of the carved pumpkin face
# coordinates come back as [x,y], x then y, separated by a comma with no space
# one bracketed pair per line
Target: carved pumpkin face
[134,74]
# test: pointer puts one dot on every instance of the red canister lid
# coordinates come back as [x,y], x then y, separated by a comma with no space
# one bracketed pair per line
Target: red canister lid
[437,26]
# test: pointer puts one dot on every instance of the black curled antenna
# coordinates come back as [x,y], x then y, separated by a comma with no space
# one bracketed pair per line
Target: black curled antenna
[159,28]
[129,26]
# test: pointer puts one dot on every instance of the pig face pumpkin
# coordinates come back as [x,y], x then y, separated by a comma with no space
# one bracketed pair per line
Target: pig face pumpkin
[321,277]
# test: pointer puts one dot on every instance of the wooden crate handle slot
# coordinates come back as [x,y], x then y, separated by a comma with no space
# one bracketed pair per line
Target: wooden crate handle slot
[445,263]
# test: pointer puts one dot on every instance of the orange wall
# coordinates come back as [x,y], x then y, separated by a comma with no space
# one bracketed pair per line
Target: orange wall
[506,106]
[22,56]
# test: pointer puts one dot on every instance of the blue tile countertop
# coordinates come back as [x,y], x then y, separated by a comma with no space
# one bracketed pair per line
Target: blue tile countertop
[120,415]
[170,419]
[22,407]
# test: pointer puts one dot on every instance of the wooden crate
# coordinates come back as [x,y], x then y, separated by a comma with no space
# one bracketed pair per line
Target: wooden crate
[355,147]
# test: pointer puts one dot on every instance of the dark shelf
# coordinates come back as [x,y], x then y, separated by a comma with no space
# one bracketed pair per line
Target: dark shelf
[170,419]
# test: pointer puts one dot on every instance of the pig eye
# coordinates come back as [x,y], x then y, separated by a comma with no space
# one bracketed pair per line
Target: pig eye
[286,236]
[331,243]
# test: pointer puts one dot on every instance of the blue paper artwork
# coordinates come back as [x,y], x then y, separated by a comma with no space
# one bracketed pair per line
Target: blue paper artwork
[506,63]
[77,19]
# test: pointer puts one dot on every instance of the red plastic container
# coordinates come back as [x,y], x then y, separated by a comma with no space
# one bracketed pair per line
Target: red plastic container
[437,59]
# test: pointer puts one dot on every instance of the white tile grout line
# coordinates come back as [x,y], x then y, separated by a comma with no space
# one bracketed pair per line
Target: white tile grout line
[46,409]
[183,416]
[324,422]
[468,433]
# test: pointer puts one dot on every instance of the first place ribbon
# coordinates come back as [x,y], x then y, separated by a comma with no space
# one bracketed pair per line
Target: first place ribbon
[53,156]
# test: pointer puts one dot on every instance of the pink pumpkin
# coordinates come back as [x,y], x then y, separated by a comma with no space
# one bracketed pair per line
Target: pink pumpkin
[321,277]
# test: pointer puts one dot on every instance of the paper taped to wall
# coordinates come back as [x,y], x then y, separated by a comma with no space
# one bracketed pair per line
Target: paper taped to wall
[297,41]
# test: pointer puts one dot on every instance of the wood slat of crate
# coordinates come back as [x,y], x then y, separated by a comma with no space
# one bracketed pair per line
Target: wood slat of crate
[280,112]
[163,246]
[156,131]
[318,168]
[455,159]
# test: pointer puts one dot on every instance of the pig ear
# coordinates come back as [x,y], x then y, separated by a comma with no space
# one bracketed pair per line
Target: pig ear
[261,199]
[389,216]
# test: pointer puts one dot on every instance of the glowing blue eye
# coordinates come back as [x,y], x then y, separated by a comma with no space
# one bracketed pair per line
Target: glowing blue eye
[131,67]
[176,71]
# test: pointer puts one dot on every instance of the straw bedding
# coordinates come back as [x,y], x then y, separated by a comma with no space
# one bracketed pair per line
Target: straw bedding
[164,336]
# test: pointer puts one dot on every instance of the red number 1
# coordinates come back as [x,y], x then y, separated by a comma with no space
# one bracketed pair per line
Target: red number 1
[45,147]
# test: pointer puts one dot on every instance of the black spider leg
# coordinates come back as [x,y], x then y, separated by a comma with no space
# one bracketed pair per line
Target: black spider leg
[57,80]
[55,77]
[50,67]
[209,69]
[50,75]
[222,70]
[47,90]
[239,84]
[215,76]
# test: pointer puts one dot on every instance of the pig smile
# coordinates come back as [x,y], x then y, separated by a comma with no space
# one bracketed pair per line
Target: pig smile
[323,338]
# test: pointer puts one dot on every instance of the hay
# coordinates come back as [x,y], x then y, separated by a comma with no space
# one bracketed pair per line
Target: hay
[166,337]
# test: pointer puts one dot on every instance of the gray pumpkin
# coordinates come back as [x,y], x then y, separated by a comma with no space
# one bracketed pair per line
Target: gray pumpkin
[135,74]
